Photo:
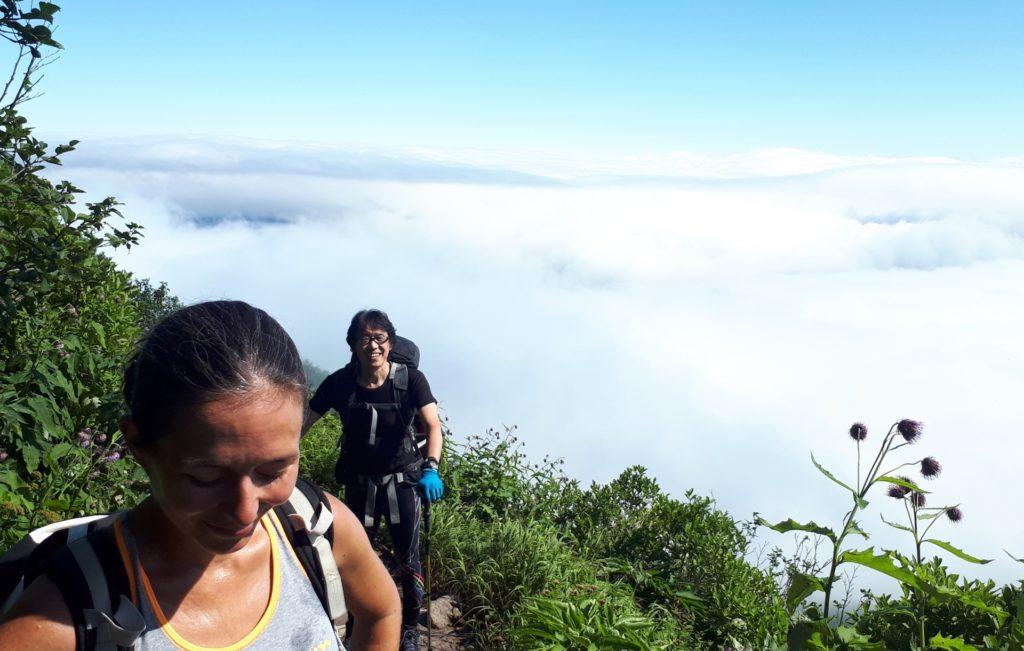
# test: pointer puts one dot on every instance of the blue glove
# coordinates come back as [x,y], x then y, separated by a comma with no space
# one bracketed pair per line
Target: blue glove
[431,485]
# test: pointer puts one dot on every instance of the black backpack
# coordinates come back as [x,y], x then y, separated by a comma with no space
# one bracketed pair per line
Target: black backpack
[82,559]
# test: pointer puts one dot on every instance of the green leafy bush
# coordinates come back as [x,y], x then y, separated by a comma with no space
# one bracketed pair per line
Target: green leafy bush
[68,318]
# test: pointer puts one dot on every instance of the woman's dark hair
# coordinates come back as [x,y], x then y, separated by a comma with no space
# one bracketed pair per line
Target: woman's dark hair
[375,319]
[205,352]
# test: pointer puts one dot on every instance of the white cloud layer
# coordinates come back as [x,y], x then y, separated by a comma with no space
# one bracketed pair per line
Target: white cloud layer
[711,319]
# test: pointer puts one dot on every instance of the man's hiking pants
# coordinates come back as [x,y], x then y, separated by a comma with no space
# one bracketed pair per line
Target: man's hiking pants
[404,527]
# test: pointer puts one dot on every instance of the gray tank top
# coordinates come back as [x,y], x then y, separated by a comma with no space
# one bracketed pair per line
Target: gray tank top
[294,618]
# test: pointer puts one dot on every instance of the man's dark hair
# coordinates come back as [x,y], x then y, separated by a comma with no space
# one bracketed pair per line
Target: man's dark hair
[374,319]
[205,352]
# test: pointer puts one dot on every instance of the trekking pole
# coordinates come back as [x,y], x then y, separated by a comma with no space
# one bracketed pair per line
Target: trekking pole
[426,531]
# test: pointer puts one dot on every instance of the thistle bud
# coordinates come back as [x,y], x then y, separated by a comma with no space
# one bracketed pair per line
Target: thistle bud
[954,514]
[101,438]
[917,499]
[910,430]
[858,432]
[899,492]
[930,467]
[112,457]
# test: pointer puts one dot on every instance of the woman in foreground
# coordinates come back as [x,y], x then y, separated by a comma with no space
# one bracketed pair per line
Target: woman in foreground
[215,398]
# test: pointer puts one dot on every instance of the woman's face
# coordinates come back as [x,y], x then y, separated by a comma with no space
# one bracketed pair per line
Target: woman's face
[225,464]
[372,348]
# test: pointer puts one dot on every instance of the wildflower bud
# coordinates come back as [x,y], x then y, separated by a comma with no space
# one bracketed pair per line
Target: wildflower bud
[954,514]
[112,457]
[101,438]
[910,430]
[897,491]
[858,432]
[918,500]
[930,467]
[85,443]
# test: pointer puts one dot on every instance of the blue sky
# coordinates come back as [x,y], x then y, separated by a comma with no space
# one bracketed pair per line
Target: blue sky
[913,78]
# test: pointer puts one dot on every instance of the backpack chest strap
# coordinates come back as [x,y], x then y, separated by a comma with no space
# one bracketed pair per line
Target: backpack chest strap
[316,522]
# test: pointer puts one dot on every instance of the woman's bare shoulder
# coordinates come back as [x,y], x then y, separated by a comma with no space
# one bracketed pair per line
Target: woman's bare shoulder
[38,620]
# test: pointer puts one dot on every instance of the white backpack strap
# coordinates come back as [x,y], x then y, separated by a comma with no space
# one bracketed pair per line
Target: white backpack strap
[316,522]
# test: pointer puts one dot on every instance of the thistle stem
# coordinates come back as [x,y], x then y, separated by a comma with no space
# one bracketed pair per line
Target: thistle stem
[882,451]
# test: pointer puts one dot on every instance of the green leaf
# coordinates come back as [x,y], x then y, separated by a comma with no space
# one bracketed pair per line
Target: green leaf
[897,526]
[42,409]
[31,457]
[954,643]
[832,476]
[1019,560]
[855,528]
[902,482]
[801,586]
[100,334]
[886,564]
[792,525]
[957,552]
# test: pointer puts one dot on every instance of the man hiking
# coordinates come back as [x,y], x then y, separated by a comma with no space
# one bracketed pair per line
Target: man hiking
[379,399]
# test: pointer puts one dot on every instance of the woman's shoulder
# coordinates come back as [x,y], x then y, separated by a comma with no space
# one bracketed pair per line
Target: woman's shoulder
[39,620]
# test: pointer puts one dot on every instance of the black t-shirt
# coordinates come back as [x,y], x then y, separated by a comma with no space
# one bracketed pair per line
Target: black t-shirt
[389,452]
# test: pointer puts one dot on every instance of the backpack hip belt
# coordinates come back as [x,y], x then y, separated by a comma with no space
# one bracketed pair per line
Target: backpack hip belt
[390,483]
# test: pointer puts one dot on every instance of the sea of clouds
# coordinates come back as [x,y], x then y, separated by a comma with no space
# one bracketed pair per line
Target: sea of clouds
[712,319]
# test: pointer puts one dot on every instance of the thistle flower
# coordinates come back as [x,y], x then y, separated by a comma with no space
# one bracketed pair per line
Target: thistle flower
[917,499]
[954,514]
[910,430]
[858,432]
[899,492]
[930,467]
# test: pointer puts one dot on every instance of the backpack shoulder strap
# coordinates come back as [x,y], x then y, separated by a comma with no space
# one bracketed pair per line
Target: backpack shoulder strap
[399,376]
[307,521]
[95,585]
[22,563]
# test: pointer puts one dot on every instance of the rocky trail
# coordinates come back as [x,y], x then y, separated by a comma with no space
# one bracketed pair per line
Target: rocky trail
[444,633]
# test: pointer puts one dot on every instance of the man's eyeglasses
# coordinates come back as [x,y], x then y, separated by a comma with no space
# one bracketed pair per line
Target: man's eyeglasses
[365,340]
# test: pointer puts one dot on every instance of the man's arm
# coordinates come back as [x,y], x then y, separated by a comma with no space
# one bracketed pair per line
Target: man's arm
[433,424]
[370,593]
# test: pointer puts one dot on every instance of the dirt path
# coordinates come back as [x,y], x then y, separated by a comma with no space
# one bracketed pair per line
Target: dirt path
[445,639]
